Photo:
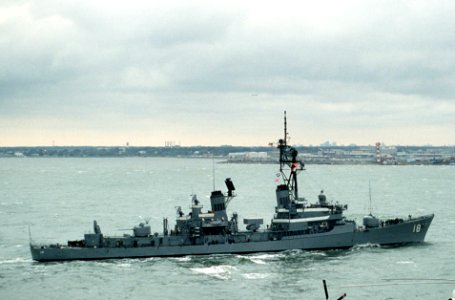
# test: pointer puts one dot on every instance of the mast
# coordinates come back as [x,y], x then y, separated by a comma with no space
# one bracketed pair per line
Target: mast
[288,158]
[285,129]
[369,192]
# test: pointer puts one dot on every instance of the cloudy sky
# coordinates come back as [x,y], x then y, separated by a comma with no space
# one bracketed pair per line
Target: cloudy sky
[222,72]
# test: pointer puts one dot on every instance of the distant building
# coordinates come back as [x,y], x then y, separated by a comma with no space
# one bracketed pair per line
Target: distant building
[171,144]
[248,156]
[329,144]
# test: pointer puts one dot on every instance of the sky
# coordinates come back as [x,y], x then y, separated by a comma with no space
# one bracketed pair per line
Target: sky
[105,73]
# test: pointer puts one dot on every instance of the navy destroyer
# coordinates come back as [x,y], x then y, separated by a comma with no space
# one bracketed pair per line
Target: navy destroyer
[296,224]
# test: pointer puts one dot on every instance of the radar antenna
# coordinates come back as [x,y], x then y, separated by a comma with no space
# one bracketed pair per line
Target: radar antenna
[288,159]
[230,186]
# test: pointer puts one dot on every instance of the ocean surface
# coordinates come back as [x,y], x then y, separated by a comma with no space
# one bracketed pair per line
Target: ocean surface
[58,198]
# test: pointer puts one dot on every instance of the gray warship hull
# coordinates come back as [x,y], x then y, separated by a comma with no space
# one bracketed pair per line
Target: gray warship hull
[296,224]
[342,237]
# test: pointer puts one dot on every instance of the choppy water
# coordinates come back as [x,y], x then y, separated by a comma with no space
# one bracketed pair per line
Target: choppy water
[59,199]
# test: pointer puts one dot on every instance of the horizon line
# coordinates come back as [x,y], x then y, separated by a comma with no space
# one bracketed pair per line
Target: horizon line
[218,146]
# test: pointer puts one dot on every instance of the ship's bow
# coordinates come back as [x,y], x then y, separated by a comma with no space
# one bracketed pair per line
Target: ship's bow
[412,230]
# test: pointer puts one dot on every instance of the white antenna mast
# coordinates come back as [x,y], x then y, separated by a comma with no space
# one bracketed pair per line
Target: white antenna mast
[369,190]
[213,171]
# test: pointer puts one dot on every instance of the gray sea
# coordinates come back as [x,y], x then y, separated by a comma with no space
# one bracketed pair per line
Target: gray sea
[59,198]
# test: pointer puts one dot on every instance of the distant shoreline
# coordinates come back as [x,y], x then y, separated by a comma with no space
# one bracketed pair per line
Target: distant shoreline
[327,155]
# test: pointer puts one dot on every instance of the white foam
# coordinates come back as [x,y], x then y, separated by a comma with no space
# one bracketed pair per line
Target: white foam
[255,275]
[15,261]
[258,261]
[182,259]
[367,245]
[220,272]
[266,256]
[405,262]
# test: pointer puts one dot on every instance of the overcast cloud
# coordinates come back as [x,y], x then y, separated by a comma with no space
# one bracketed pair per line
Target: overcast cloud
[208,72]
